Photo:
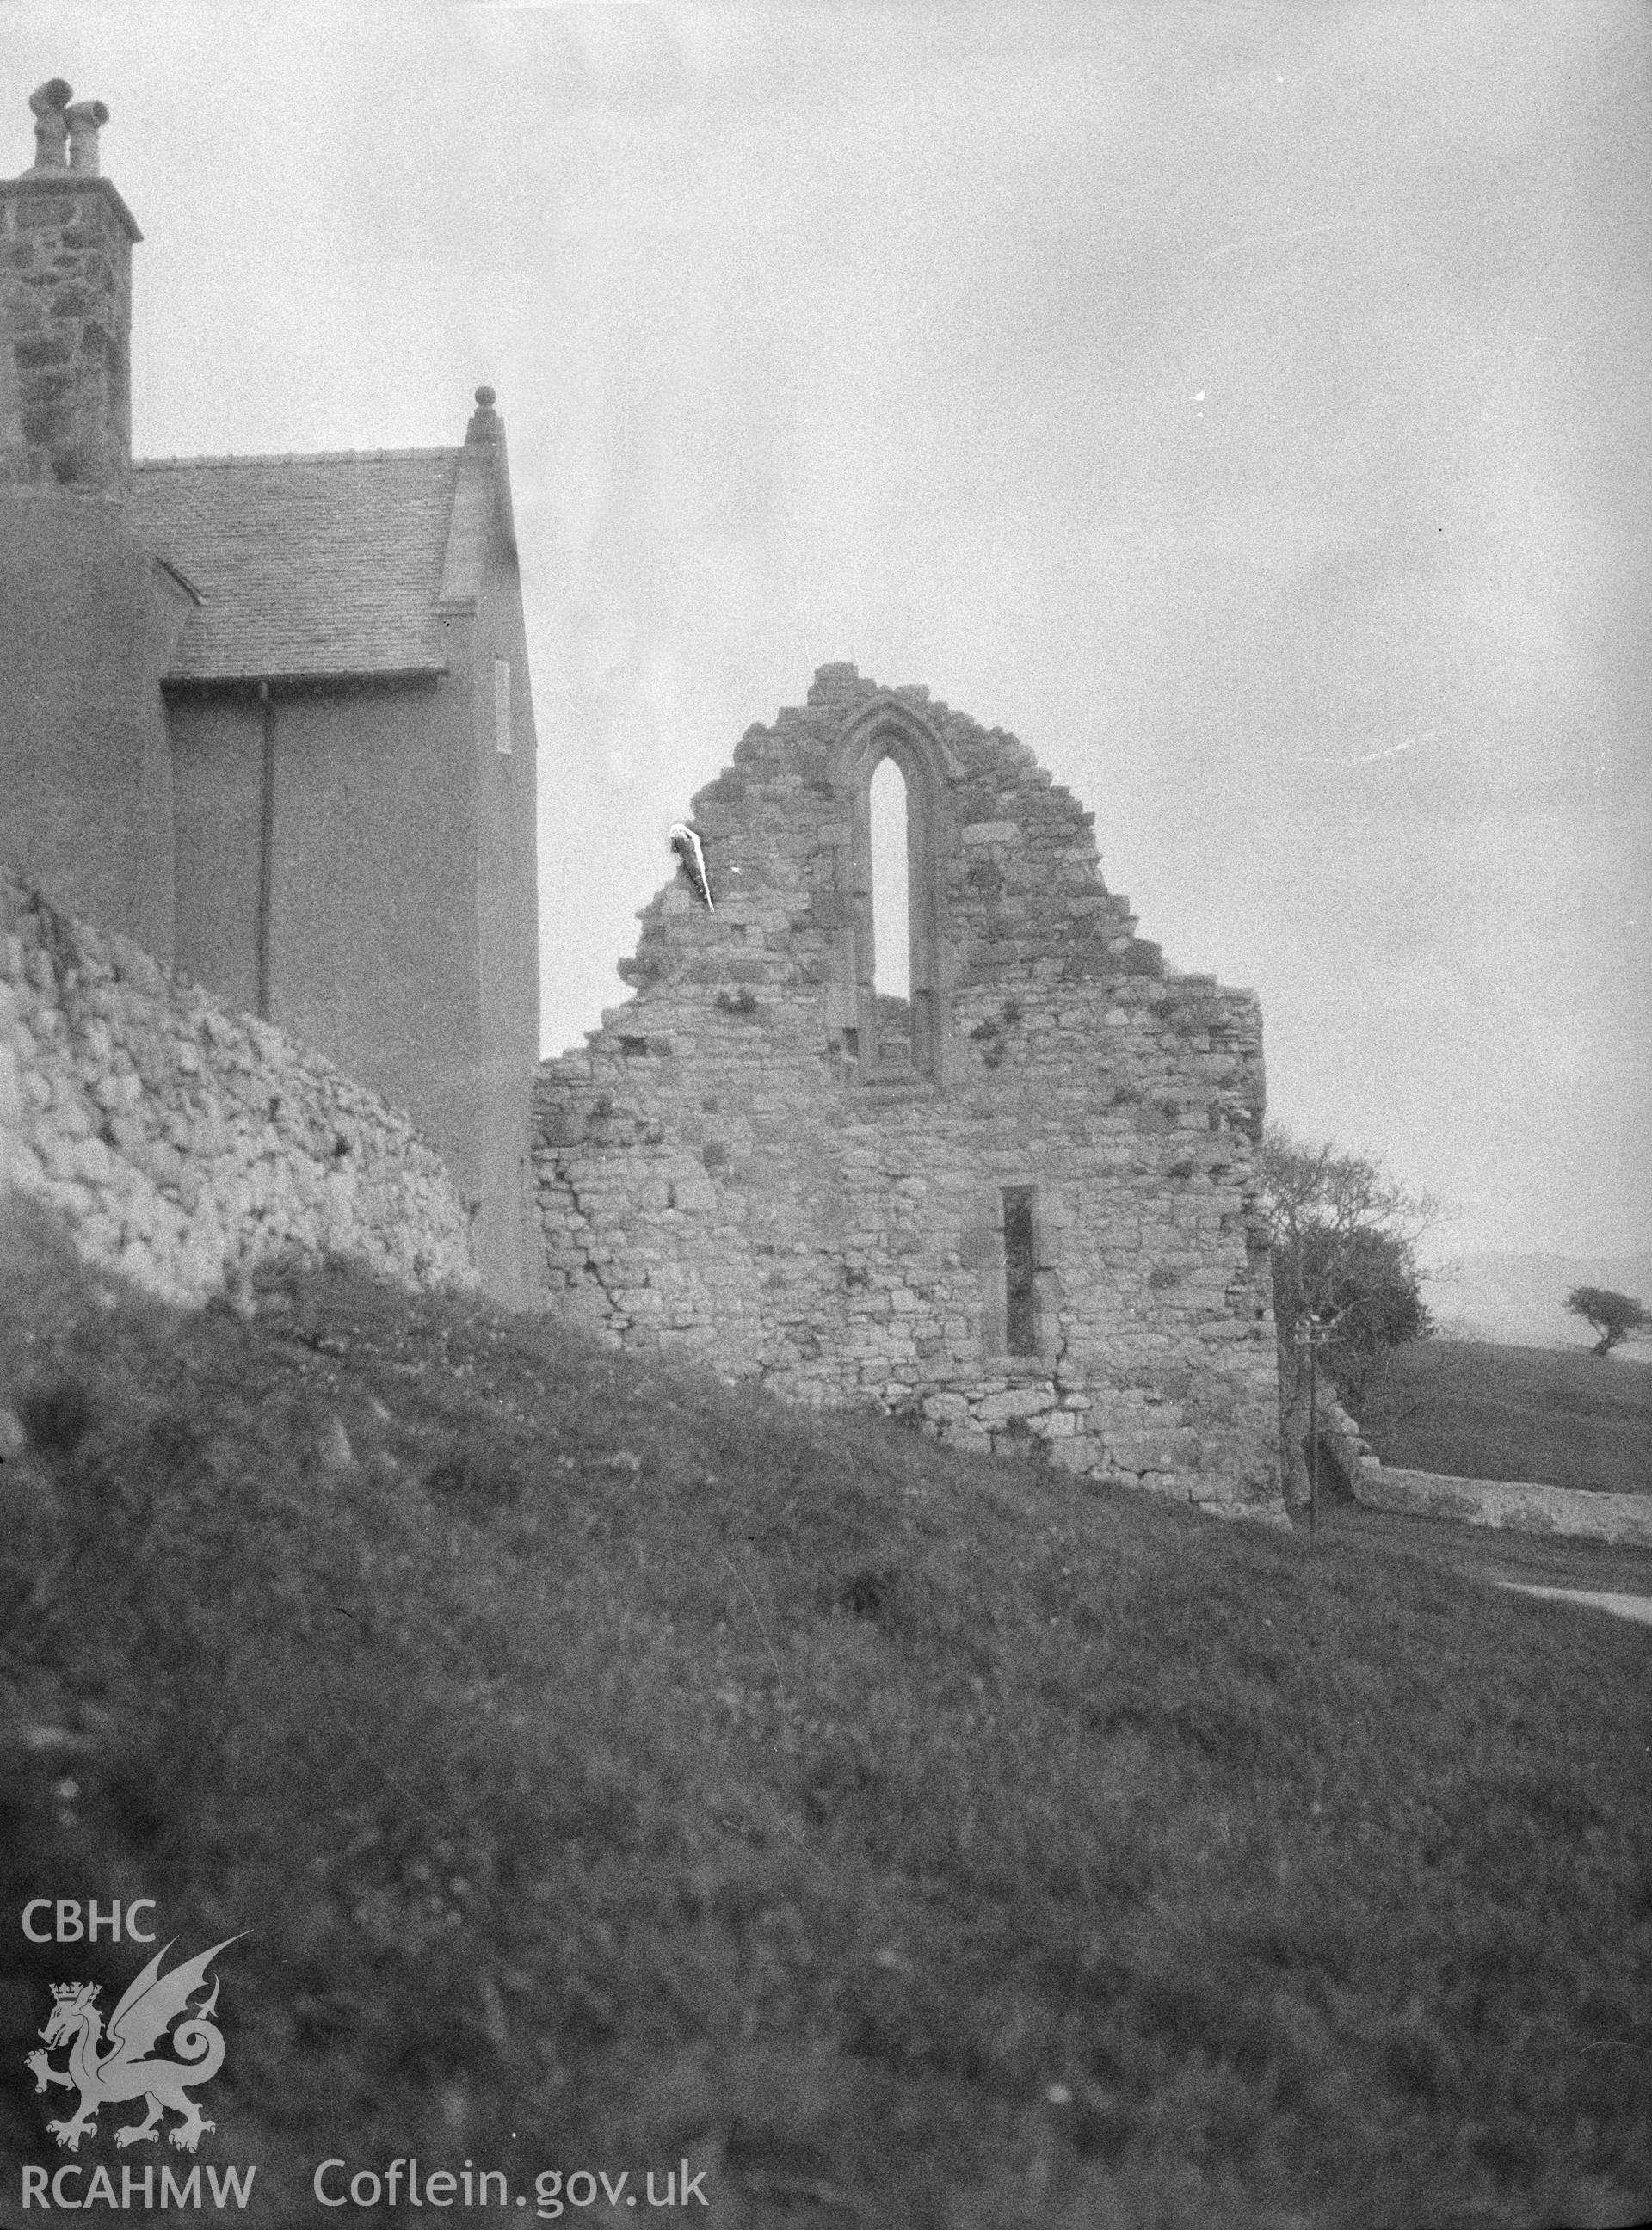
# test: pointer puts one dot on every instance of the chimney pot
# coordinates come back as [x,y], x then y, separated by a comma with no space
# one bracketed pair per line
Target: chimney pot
[86,120]
[48,102]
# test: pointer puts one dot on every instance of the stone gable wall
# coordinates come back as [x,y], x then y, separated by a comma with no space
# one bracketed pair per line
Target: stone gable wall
[184,1143]
[757,1163]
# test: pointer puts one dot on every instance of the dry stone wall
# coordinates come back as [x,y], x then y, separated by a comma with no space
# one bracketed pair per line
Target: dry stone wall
[184,1143]
[1515,1505]
[1018,1206]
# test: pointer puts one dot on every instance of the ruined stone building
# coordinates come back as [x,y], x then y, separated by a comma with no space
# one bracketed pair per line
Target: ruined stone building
[1016,1205]
[269,716]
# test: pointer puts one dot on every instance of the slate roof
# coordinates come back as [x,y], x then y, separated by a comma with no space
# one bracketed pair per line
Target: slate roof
[305,565]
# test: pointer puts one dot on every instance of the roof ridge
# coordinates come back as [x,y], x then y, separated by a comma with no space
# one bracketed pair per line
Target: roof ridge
[294,457]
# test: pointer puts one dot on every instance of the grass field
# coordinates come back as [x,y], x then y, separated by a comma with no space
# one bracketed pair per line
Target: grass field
[615,1769]
[1476,1411]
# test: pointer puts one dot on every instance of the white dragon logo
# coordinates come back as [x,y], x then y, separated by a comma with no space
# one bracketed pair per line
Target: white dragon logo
[104,2078]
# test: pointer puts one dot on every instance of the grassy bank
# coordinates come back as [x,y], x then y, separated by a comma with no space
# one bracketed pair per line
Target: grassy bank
[1475,1411]
[614,1769]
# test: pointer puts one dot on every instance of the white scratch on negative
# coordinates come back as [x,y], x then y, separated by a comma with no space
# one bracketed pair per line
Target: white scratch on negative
[1367,758]
[1280,239]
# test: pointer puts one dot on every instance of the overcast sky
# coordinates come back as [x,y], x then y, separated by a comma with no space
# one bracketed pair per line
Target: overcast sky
[1243,404]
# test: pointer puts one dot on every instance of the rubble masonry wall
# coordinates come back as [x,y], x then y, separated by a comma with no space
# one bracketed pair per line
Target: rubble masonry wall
[184,1143]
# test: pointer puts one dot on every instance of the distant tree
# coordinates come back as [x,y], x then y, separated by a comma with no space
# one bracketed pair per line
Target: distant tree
[1614,1316]
[1345,1238]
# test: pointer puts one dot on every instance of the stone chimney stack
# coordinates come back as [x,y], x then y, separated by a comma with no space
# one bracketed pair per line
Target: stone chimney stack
[66,239]
[88,617]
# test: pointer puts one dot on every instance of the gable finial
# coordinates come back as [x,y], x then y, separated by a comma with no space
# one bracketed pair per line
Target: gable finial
[484,419]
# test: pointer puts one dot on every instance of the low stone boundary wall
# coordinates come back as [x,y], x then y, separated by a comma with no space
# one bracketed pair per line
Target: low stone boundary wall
[184,1143]
[1520,1505]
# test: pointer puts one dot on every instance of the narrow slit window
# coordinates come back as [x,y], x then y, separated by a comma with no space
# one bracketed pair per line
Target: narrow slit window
[503,707]
[1020,1261]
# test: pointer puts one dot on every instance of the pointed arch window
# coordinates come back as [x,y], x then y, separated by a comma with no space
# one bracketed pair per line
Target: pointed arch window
[891,759]
[890,923]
